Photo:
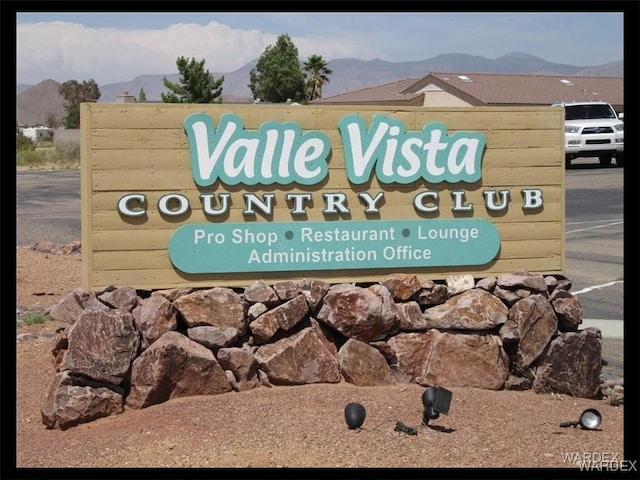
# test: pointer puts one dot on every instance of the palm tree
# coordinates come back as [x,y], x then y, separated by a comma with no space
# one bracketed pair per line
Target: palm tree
[318,74]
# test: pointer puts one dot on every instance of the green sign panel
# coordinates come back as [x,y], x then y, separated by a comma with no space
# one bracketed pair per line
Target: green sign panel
[308,246]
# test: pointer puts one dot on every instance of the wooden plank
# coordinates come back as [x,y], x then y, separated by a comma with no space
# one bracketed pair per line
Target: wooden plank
[119,138]
[114,240]
[161,116]
[525,138]
[159,179]
[168,278]
[129,259]
[530,231]
[142,158]
[512,119]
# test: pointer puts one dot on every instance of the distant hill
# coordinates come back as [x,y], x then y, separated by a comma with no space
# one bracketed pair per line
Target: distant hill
[37,104]
[348,74]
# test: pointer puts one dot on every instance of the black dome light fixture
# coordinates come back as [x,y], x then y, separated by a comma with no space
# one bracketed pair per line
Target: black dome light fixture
[589,420]
[436,400]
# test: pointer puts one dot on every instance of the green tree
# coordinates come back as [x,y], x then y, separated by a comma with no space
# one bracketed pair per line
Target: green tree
[74,94]
[52,120]
[196,85]
[277,77]
[142,97]
[318,72]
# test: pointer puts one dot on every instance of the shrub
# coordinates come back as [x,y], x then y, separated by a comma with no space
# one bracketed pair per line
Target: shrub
[67,150]
[32,158]
[33,318]
[25,143]
[64,154]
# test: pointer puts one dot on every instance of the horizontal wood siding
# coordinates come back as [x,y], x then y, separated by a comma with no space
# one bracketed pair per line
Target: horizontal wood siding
[142,148]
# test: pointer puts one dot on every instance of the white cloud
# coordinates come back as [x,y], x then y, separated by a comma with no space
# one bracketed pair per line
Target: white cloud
[64,51]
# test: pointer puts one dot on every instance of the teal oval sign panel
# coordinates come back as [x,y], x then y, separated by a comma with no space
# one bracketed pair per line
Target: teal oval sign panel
[309,246]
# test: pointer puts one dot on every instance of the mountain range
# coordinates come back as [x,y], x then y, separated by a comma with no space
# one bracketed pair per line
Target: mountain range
[37,103]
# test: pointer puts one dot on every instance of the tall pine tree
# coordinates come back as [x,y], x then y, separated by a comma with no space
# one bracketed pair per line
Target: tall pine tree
[196,85]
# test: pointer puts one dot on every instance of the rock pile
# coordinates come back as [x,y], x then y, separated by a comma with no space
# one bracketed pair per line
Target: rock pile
[129,348]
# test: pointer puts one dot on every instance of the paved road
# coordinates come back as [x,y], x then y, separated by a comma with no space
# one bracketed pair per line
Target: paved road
[594,240]
[48,206]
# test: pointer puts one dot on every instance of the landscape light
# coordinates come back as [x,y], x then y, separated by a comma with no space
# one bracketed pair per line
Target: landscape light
[589,420]
[435,400]
[354,415]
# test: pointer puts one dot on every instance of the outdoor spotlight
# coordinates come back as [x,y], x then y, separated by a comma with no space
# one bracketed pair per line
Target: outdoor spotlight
[354,415]
[589,420]
[436,400]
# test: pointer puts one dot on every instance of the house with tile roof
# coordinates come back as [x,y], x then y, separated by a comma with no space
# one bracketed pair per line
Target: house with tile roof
[485,89]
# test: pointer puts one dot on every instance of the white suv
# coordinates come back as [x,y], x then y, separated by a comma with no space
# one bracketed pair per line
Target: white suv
[592,129]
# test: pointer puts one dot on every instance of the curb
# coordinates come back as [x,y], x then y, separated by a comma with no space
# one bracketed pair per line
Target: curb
[609,328]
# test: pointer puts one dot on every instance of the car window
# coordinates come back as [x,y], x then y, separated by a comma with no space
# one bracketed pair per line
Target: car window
[584,112]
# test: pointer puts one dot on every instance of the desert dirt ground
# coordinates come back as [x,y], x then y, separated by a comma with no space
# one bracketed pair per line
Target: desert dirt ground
[293,426]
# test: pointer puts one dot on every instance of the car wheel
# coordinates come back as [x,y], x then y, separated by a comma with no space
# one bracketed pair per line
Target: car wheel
[620,159]
[605,160]
[567,162]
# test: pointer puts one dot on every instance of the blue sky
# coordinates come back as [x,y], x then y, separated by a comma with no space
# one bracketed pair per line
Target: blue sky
[117,47]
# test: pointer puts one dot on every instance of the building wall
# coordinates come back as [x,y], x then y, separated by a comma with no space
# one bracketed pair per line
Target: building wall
[38,134]
[442,98]
[143,148]
[67,135]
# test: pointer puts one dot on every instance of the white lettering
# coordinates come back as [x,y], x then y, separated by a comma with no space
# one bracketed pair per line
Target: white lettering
[362,160]
[206,163]
[173,204]
[298,200]
[467,162]
[245,164]
[454,233]
[335,203]
[212,237]
[404,157]
[252,200]
[207,203]
[127,211]
[276,153]
[244,236]
[490,200]
[532,198]
[371,202]
[432,147]
[458,202]
[419,204]
[405,252]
